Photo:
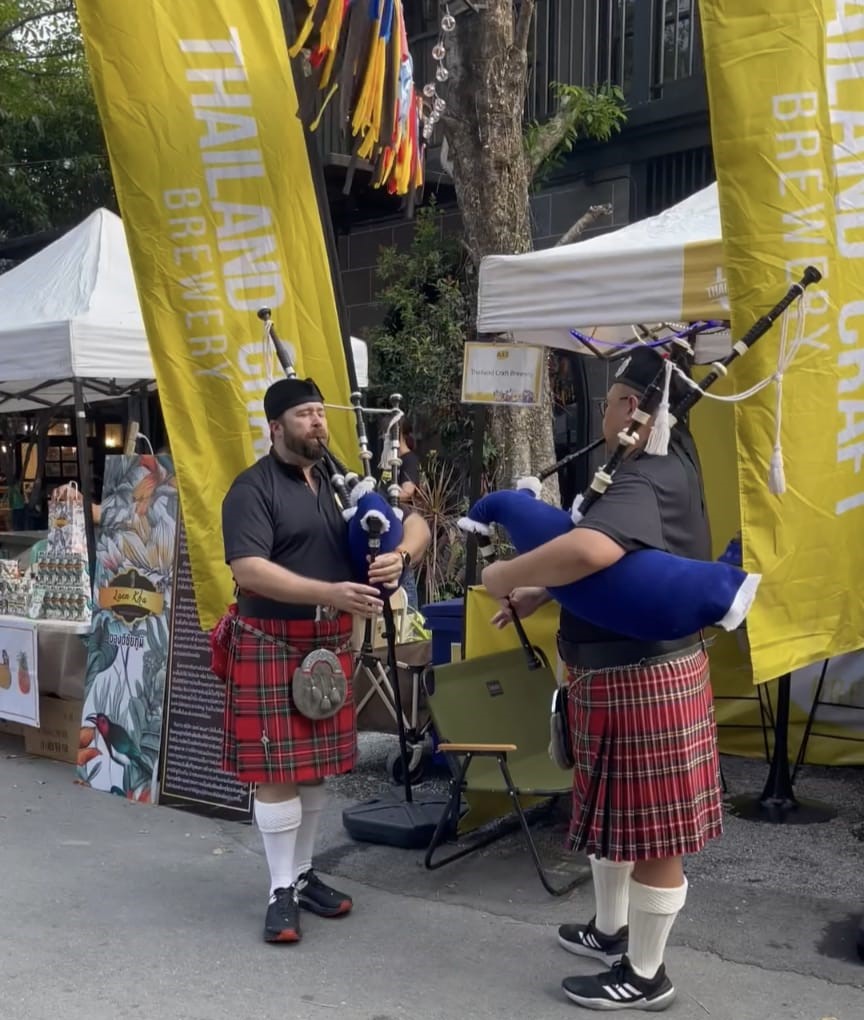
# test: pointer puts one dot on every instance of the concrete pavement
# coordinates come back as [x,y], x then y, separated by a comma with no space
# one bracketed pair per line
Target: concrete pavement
[115,910]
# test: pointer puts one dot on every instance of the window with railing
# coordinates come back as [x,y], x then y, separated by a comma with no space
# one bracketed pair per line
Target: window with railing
[664,181]
[674,41]
[641,45]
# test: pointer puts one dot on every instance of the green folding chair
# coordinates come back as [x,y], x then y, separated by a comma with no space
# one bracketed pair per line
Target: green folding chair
[492,716]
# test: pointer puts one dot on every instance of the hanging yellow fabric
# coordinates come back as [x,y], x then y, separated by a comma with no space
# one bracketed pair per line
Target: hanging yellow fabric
[786,89]
[212,173]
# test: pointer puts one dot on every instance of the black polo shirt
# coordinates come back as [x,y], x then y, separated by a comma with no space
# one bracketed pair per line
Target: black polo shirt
[652,503]
[270,511]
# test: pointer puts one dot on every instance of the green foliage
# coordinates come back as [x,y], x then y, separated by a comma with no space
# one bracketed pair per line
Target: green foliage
[442,573]
[53,164]
[417,351]
[582,113]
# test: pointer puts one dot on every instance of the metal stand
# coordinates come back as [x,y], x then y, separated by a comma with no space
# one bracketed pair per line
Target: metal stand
[85,476]
[409,824]
[777,803]
[370,667]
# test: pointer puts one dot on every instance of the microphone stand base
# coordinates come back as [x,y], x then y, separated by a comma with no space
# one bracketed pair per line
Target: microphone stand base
[392,821]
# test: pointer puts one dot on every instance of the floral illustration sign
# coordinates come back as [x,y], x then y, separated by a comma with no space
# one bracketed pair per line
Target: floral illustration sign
[127,652]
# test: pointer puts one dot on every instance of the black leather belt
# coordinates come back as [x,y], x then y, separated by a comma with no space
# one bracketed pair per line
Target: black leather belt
[259,608]
[615,654]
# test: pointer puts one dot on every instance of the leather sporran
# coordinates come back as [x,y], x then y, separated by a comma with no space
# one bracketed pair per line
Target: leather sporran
[319,687]
[561,736]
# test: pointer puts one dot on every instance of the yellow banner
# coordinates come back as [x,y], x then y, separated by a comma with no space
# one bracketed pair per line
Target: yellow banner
[786,89]
[213,179]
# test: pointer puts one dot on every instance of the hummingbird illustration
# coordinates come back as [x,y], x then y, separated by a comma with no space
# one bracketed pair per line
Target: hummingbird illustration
[118,740]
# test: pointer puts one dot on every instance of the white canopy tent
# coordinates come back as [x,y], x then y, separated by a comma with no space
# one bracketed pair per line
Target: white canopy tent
[71,312]
[664,269]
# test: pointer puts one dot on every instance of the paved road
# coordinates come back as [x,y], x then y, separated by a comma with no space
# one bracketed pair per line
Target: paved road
[114,910]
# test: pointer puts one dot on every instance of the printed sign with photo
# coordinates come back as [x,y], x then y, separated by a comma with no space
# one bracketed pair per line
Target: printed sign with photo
[19,690]
[503,374]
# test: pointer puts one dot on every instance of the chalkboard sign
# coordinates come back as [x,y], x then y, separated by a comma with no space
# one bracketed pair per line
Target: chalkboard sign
[192,775]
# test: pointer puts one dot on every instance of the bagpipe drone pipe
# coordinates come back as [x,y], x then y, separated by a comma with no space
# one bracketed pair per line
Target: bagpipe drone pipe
[374,518]
[648,594]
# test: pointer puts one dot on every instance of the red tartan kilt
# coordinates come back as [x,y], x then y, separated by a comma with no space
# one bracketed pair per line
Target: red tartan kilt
[259,702]
[646,783]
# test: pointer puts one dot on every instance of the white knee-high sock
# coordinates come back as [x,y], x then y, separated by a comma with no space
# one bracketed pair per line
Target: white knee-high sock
[278,824]
[611,893]
[313,799]
[652,913]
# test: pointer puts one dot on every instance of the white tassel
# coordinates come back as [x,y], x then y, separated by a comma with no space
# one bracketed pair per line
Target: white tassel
[575,512]
[658,440]
[776,474]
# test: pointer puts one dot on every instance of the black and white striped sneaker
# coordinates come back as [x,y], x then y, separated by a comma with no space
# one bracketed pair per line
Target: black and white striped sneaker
[621,988]
[586,940]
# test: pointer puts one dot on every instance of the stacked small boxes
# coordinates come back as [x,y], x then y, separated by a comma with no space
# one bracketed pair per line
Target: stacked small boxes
[56,587]
[60,588]
[12,598]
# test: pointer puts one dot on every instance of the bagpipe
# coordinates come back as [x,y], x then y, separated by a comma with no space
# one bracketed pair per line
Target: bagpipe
[374,516]
[648,594]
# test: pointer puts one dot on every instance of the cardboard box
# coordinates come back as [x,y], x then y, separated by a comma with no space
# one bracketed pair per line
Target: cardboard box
[59,732]
[15,729]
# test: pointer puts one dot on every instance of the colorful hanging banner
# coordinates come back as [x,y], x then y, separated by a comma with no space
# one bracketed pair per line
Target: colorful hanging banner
[359,59]
[786,88]
[212,174]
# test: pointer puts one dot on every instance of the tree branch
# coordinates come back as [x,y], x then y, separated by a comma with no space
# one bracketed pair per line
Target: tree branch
[522,32]
[8,30]
[547,138]
[51,54]
[586,220]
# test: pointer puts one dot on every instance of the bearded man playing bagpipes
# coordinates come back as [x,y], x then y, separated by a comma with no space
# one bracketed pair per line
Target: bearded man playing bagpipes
[647,785]
[284,651]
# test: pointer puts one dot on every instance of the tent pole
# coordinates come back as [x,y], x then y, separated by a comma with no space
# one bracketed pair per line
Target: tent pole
[143,397]
[84,475]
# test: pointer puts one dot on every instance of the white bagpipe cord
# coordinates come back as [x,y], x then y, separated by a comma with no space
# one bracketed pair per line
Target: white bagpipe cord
[396,416]
[787,354]
[268,354]
[776,474]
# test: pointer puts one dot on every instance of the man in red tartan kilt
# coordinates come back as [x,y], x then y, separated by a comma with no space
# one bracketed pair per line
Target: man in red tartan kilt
[287,545]
[646,781]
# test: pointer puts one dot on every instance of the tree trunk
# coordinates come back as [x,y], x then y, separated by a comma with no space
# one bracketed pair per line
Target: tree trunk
[484,128]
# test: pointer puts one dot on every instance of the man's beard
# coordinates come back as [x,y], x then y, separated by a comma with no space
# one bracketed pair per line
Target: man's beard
[309,449]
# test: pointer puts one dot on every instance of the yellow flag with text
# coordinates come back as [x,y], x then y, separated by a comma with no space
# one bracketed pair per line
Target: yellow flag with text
[786,91]
[213,179]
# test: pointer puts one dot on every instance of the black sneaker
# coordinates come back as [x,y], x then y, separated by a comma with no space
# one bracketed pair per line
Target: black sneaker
[586,940]
[621,988]
[283,917]
[314,895]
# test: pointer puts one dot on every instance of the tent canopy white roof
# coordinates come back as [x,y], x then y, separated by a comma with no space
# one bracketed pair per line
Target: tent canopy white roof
[72,312]
[664,269]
